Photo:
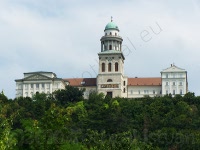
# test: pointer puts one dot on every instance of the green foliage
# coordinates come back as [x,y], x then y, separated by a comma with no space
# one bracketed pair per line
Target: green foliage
[7,139]
[68,95]
[65,121]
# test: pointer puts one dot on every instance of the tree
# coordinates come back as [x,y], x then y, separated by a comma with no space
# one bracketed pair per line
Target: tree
[68,95]
[3,98]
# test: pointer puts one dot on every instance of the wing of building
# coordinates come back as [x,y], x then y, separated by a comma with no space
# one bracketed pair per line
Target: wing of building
[110,79]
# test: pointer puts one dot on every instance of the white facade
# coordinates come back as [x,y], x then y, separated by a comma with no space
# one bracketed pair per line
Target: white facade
[174,81]
[141,91]
[41,82]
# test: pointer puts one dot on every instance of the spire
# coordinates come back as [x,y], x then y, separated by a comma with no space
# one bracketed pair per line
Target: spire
[111,18]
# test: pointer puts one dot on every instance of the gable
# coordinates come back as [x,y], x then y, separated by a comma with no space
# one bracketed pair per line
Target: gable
[37,77]
[173,68]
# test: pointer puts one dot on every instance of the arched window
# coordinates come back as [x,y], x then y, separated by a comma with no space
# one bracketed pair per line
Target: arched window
[109,67]
[103,67]
[110,47]
[116,67]
[109,80]
[124,90]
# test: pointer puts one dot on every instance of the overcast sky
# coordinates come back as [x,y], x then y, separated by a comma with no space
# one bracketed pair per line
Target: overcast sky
[63,36]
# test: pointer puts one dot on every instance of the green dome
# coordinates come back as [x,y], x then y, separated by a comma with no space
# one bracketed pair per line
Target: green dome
[111,25]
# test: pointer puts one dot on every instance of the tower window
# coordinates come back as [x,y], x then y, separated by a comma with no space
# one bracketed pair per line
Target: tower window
[109,67]
[124,90]
[115,34]
[110,33]
[109,80]
[110,47]
[124,83]
[116,67]
[103,67]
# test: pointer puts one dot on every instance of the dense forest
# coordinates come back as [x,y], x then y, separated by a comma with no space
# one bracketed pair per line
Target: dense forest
[65,121]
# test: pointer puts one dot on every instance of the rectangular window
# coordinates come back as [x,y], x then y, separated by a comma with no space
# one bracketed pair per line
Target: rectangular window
[124,83]
[174,83]
[180,83]
[154,92]
[42,85]
[32,86]
[48,85]
[138,91]
[131,91]
[37,86]
[174,92]
[167,83]
[167,92]
[26,86]
[181,91]
[174,75]
[146,92]
[166,75]
[31,94]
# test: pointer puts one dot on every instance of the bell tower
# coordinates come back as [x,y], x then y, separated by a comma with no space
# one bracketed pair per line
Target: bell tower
[111,80]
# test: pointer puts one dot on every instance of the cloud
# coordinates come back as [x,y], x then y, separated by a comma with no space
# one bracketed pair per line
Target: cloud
[64,37]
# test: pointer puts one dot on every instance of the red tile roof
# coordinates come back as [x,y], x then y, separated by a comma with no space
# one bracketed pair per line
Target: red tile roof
[80,81]
[144,81]
[131,81]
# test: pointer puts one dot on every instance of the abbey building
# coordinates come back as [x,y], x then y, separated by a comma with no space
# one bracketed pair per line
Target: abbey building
[110,79]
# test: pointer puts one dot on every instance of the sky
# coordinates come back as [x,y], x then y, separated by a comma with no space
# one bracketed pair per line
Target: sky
[63,36]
